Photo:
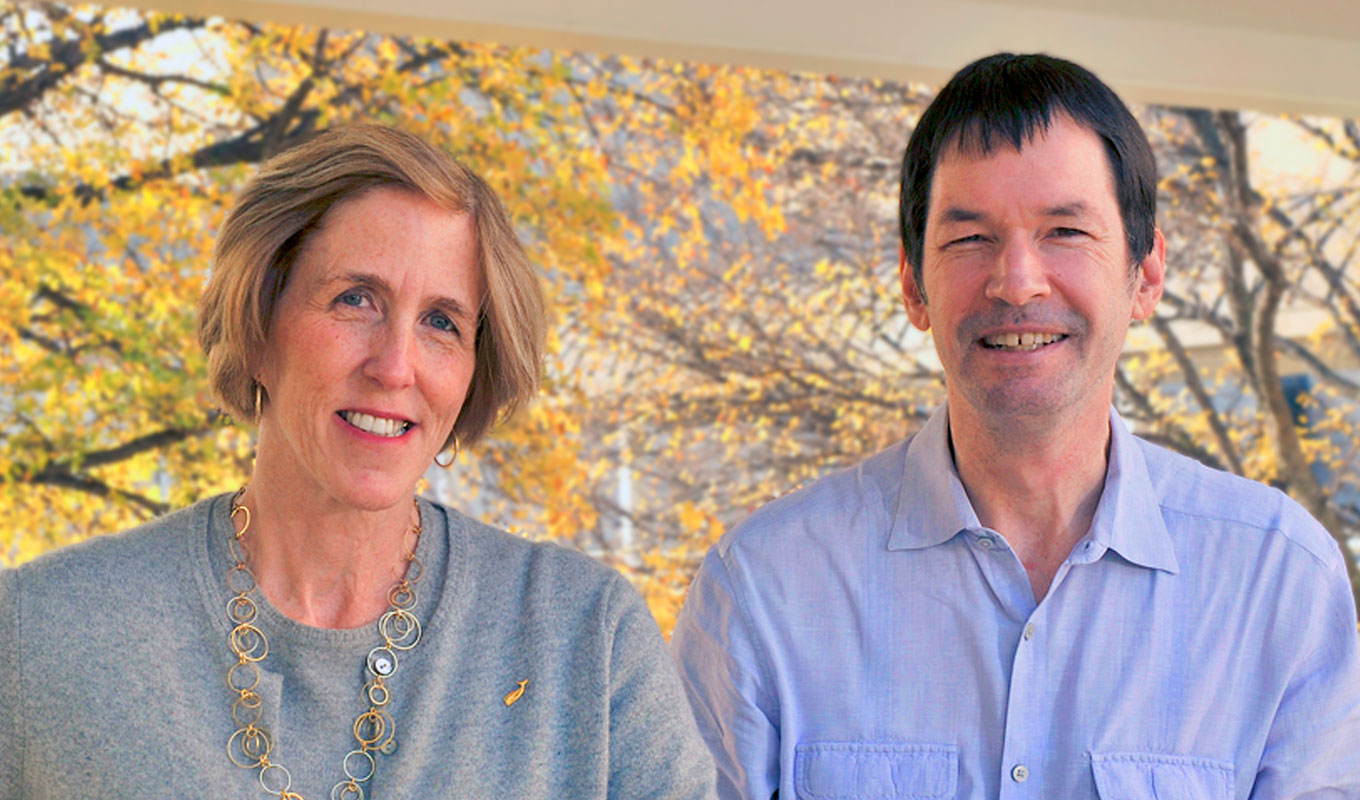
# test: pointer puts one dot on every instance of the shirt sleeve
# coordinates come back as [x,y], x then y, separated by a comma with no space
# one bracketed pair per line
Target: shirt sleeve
[654,749]
[11,718]
[1313,747]
[721,670]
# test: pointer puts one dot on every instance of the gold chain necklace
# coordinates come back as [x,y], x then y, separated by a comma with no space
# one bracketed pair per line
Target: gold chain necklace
[374,730]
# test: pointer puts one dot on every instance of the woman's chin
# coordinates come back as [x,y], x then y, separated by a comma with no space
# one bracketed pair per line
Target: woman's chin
[376,492]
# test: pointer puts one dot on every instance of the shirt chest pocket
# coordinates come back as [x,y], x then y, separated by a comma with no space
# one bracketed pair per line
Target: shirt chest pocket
[1147,776]
[875,771]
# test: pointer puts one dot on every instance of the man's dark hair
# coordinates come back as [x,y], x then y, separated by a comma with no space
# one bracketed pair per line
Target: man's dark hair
[1006,100]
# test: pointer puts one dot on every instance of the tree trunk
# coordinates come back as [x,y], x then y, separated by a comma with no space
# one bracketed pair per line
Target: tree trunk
[1280,417]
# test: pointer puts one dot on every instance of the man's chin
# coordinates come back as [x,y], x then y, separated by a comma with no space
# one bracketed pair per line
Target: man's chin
[1027,404]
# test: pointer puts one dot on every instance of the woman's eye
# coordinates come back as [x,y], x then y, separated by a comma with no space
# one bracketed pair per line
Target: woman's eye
[440,321]
[971,239]
[353,299]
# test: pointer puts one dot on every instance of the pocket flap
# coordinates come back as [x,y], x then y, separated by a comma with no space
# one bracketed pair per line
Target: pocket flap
[875,770]
[1149,776]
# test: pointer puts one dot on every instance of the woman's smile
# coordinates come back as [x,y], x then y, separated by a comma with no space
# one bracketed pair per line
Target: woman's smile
[387,427]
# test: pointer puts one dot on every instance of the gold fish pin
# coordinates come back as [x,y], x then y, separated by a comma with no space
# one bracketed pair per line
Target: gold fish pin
[516,694]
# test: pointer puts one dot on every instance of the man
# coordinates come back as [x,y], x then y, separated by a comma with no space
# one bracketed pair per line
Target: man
[1023,599]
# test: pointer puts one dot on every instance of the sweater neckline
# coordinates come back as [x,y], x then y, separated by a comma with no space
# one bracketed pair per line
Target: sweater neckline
[441,550]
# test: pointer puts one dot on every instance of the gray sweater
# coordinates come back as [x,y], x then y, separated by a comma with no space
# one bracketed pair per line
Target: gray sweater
[113,657]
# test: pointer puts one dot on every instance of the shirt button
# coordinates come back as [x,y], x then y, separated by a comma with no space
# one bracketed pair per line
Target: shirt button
[1020,773]
[986,542]
[1029,631]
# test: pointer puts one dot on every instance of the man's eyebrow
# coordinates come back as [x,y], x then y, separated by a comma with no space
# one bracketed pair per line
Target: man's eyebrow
[1076,208]
[450,305]
[956,214]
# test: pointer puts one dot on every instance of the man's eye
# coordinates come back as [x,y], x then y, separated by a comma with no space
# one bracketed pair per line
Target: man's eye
[970,239]
[1066,232]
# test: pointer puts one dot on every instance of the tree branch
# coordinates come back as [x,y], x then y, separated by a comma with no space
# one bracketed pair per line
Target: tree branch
[19,90]
[1174,436]
[67,480]
[155,81]
[1192,382]
[287,127]
[141,444]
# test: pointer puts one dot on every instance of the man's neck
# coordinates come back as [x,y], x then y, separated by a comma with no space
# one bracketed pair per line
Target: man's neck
[1036,483]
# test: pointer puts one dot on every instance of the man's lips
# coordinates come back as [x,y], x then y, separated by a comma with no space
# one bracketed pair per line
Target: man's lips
[1045,324]
[1021,342]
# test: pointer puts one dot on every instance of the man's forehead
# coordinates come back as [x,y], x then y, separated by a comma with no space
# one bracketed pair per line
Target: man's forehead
[1065,169]
[975,140]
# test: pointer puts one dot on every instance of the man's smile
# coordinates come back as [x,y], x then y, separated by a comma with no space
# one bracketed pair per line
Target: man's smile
[1021,341]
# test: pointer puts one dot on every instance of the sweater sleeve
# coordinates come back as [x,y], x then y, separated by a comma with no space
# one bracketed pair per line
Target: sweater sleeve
[11,711]
[654,747]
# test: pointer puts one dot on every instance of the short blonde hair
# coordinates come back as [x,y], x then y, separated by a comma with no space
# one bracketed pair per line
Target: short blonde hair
[287,201]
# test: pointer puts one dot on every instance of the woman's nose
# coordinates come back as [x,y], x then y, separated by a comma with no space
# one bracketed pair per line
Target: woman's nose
[392,359]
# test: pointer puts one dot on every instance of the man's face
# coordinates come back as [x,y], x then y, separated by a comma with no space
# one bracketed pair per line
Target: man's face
[1027,275]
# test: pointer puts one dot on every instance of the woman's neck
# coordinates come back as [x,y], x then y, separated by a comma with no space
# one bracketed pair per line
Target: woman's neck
[322,563]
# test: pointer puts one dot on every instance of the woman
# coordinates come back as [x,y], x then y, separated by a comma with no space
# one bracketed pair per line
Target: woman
[320,632]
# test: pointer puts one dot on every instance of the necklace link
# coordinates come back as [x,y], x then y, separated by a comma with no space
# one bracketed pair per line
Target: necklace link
[375,729]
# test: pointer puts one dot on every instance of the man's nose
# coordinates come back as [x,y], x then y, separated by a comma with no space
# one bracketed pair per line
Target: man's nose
[1019,275]
[392,356]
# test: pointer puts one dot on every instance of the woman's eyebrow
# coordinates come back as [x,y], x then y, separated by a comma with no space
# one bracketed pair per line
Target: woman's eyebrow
[452,306]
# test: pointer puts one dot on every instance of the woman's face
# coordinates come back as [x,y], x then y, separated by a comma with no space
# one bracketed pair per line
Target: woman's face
[370,350]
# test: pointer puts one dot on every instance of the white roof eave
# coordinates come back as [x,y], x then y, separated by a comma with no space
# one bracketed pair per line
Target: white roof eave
[1301,57]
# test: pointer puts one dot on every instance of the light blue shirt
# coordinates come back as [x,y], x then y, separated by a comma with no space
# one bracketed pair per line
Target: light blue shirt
[866,637]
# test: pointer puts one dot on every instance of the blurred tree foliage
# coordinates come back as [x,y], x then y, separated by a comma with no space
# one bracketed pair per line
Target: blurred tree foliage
[720,248]
[1251,253]
[125,137]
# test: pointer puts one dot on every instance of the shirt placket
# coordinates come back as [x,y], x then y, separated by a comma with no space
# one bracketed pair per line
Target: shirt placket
[1028,713]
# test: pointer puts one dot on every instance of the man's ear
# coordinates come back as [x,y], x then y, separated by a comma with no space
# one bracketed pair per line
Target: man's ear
[912,295]
[1151,278]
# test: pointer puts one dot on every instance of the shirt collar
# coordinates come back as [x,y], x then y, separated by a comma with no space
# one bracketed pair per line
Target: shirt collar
[1128,519]
[933,506]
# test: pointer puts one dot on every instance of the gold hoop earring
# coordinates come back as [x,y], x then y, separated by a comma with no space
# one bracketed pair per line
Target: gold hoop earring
[259,402]
[452,457]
